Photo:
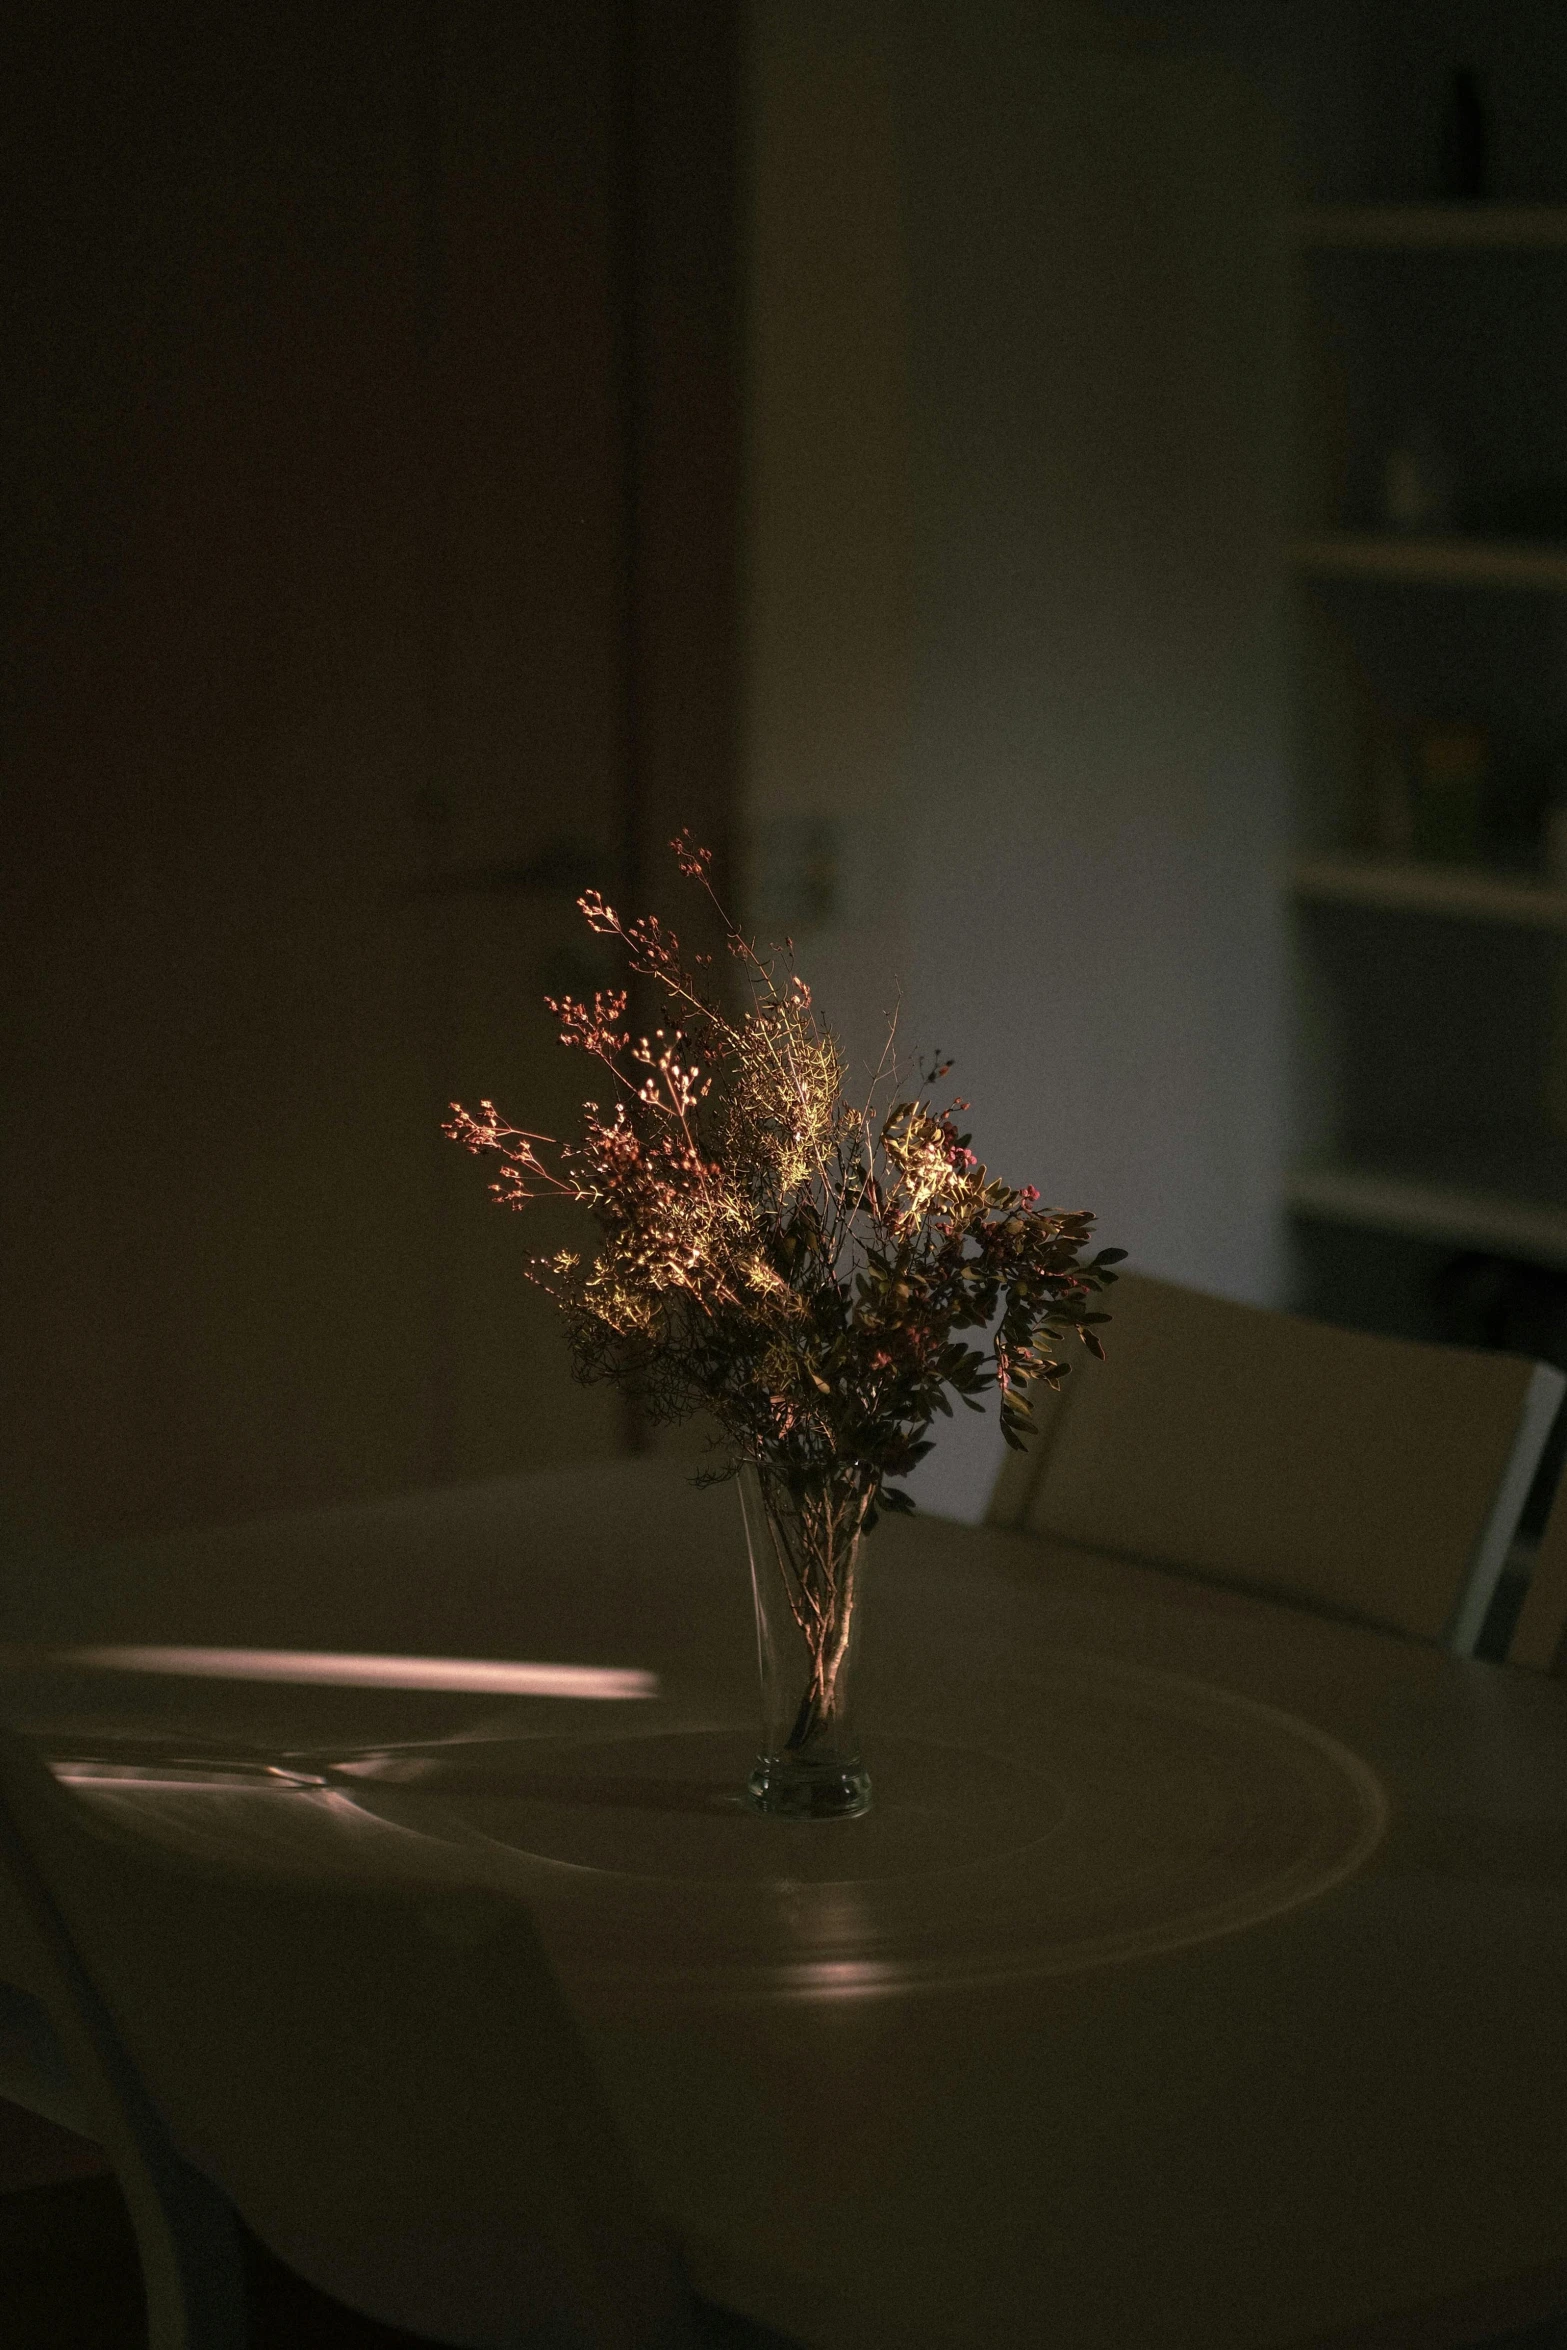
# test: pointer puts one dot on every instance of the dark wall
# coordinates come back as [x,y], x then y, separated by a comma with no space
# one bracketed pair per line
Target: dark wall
[369,477]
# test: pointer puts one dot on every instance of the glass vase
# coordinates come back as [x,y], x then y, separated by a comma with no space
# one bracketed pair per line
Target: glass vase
[805,1545]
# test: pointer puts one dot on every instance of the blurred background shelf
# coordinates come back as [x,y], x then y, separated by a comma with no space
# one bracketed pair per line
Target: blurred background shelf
[1433,562]
[1466,893]
[1494,1217]
[1457,227]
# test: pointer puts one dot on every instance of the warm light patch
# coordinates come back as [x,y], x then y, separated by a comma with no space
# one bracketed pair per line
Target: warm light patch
[329,1668]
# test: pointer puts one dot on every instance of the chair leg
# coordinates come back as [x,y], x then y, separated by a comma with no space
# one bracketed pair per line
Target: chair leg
[76,2268]
[192,2265]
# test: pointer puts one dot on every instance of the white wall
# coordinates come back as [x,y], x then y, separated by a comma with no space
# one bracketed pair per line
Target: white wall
[1063,717]
[828,604]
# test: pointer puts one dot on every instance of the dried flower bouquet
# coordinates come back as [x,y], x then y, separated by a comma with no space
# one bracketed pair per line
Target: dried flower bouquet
[805,1269]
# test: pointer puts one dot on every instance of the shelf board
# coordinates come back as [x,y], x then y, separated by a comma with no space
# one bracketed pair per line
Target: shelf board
[1425,1208]
[1434,562]
[1464,893]
[1434,228]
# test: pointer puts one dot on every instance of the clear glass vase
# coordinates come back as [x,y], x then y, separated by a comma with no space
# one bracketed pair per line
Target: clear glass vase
[805,1549]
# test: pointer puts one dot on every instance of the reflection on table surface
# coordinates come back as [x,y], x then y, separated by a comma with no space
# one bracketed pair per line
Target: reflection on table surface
[1110,1810]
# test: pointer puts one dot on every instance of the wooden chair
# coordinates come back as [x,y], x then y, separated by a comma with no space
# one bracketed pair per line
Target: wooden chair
[1369,1477]
[144,1999]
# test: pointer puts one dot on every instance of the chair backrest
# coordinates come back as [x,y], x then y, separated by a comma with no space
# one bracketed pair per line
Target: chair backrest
[1539,1638]
[381,2076]
[1373,1477]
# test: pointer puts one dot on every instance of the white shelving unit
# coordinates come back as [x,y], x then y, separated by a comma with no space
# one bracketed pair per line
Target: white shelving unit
[1505,1192]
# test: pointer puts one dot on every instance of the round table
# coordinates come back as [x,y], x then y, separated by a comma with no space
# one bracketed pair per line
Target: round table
[1195,1976]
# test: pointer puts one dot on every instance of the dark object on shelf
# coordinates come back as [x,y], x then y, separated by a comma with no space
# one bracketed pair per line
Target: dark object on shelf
[1553,823]
[1452,780]
[1389,791]
[1463,170]
[1491,1301]
[1418,482]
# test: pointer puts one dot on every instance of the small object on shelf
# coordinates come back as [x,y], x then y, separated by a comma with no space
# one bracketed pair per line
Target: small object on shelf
[1452,770]
[1464,164]
[1417,482]
[1390,802]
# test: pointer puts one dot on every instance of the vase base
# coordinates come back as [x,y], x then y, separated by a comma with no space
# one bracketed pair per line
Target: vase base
[787,1788]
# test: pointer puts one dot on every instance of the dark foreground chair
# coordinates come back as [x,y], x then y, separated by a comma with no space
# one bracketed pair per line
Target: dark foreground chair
[297,2032]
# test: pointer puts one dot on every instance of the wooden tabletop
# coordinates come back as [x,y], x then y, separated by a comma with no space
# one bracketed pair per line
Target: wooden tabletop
[1196,1978]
